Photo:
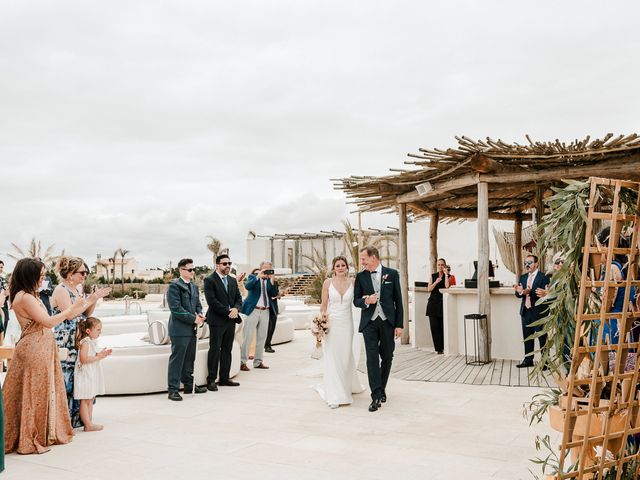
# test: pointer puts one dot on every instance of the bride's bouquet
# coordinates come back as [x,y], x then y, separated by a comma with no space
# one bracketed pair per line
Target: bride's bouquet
[319,329]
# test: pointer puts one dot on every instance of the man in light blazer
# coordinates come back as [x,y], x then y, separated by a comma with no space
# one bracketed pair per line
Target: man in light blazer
[224,300]
[261,287]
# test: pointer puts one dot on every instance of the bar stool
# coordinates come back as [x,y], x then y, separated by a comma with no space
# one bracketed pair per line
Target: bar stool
[477,320]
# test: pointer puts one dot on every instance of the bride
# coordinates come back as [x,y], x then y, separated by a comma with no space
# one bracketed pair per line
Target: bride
[339,368]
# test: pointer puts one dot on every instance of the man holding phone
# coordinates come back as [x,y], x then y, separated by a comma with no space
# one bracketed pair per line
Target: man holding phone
[261,288]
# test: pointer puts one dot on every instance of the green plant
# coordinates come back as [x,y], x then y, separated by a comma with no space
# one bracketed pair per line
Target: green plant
[539,404]
[551,463]
[321,273]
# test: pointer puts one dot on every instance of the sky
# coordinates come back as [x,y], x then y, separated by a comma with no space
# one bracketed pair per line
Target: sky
[150,125]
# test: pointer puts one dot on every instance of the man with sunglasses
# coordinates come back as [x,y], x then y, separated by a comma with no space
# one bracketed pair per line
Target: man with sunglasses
[224,300]
[530,283]
[186,316]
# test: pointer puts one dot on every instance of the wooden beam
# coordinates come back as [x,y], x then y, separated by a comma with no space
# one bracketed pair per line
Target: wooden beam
[625,168]
[484,298]
[438,188]
[433,241]
[483,164]
[517,248]
[468,214]
[404,271]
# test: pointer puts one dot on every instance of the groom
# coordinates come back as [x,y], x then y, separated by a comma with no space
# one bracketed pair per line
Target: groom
[377,293]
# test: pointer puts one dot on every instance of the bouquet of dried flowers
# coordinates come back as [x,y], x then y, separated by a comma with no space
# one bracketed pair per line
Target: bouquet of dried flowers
[319,329]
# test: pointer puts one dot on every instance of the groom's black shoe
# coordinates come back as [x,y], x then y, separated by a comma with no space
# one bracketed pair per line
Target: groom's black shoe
[383,398]
[375,405]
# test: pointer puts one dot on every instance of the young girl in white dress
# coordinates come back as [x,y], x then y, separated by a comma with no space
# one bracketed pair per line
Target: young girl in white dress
[89,379]
[340,378]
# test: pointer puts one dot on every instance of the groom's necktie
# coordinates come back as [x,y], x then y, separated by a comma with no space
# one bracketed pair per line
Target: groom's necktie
[226,284]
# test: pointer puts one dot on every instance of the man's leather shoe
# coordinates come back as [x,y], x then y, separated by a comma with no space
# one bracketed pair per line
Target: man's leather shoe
[198,390]
[269,350]
[212,387]
[383,398]
[243,367]
[175,396]
[524,364]
[229,383]
[262,366]
[375,405]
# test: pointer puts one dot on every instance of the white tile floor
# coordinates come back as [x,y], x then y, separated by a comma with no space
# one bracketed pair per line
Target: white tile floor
[274,426]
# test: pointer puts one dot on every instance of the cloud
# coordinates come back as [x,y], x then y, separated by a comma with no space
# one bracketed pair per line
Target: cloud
[150,125]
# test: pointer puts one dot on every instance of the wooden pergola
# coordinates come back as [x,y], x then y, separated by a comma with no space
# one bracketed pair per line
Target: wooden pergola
[487,179]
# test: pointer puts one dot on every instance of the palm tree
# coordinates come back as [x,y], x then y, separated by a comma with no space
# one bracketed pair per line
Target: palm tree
[352,244]
[214,246]
[35,250]
[105,264]
[123,253]
[113,261]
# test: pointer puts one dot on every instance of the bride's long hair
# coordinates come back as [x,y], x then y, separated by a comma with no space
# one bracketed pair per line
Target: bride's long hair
[336,260]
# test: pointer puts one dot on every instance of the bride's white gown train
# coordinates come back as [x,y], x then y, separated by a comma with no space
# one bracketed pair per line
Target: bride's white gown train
[340,377]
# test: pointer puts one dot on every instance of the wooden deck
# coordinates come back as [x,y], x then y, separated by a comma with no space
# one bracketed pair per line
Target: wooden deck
[426,366]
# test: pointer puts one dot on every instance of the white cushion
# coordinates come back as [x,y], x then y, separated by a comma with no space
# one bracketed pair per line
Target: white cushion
[158,334]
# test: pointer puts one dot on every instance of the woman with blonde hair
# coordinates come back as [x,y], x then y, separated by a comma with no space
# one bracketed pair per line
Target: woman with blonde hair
[73,272]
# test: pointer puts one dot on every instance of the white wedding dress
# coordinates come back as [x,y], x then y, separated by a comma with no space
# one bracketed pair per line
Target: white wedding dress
[340,377]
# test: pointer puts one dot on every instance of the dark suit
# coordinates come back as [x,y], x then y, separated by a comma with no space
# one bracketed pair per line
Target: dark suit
[379,334]
[531,315]
[184,302]
[273,316]
[221,328]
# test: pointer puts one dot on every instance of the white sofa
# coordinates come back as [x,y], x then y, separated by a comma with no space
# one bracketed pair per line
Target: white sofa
[137,366]
[284,331]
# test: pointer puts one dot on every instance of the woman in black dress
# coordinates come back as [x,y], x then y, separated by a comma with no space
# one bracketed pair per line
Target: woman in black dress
[439,280]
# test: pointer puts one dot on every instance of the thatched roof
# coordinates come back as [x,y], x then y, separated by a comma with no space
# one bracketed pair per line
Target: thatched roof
[514,173]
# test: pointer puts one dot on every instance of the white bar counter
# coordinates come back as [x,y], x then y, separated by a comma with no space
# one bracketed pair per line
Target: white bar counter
[506,331]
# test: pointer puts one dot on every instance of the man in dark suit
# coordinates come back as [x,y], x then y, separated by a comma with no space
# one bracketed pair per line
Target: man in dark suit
[274,310]
[186,316]
[528,289]
[377,292]
[224,299]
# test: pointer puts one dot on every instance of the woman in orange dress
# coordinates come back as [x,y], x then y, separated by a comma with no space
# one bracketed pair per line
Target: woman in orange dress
[35,400]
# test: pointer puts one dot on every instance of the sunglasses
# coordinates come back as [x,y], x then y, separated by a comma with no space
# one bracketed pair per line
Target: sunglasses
[83,273]
[225,264]
[189,269]
[528,263]
[558,262]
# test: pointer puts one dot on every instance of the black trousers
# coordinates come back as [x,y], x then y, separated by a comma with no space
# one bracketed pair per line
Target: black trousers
[273,318]
[220,346]
[437,332]
[5,314]
[379,345]
[183,354]
[528,317]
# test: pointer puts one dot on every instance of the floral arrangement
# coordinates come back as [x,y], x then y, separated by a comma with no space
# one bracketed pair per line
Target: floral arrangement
[319,329]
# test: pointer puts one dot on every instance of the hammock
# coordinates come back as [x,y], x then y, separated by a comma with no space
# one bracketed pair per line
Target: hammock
[506,245]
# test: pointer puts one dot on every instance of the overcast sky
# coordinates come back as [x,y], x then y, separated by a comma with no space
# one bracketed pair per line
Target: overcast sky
[149,125]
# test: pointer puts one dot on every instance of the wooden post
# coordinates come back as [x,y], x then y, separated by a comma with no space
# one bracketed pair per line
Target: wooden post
[404,272]
[484,299]
[433,241]
[517,253]
[360,246]
[539,214]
